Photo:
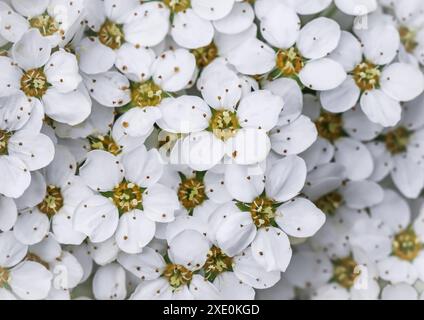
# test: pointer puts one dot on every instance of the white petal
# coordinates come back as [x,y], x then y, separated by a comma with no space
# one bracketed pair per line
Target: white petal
[11,250]
[235,233]
[12,169]
[142,167]
[10,77]
[355,157]
[8,214]
[300,218]
[94,57]
[160,203]
[252,57]
[97,218]
[238,20]
[193,257]
[62,71]
[134,231]
[110,89]
[271,249]
[266,117]
[147,265]
[295,137]
[97,164]
[30,281]
[244,183]
[280,26]
[231,288]
[32,50]
[342,98]
[286,178]
[349,51]
[248,146]
[402,81]
[322,74]
[184,114]
[35,150]
[173,70]
[318,38]
[109,283]
[31,227]
[250,272]
[212,9]
[356,7]
[148,24]
[380,108]
[201,151]
[362,194]
[359,127]
[380,43]
[408,176]
[401,291]
[191,31]
[135,62]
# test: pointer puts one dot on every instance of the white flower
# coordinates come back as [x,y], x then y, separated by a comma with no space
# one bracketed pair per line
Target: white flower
[15,272]
[266,211]
[399,151]
[22,148]
[302,53]
[57,20]
[340,139]
[52,200]
[51,80]
[235,129]
[129,198]
[109,283]
[176,279]
[399,251]
[121,29]
[374,80]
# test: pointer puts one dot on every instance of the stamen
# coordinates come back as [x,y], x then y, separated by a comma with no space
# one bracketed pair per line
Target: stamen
[406,245]
[111,35]
[53,201]
[177,275]
[34,83]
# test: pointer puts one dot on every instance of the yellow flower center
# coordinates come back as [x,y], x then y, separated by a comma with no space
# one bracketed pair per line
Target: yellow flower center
[34,83]
[177,275]
[127,196]
[46,24]
[406,245]
[205,55]
[367,76]
[111,35]
[408,39]
[224,124]
[330,202]
[105,143]
[345,272]
[146,94]
[4,277]
[397,140]
[4,139]
[263,212]
[191,193]
[52,202]
[329,126]
[216,263]
[289,62]
[178,5]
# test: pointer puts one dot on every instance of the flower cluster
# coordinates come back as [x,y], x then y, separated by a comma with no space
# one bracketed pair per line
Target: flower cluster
[211,149]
